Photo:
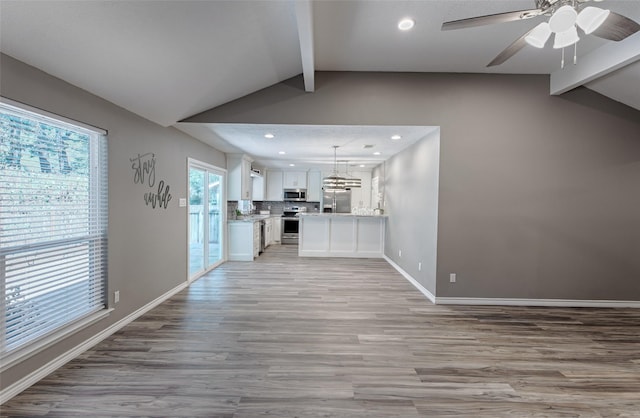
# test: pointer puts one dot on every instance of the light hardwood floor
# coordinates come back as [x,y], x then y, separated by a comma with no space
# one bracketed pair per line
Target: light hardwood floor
[289,337]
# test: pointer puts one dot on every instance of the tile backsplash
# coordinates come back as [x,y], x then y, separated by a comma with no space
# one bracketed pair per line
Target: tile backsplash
[273,207]
[278,207]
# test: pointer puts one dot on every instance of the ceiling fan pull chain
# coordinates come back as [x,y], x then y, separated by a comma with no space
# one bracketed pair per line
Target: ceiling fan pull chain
[575,53]
[562,61]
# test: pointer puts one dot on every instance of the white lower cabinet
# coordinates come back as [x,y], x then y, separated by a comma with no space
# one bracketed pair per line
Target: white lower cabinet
[338,235]
[268,232]
[277,229]
[256,239]
[244,237]
[244,240]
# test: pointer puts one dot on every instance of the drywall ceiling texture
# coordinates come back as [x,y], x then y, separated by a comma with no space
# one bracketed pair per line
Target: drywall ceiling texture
[538,194]
[147,246]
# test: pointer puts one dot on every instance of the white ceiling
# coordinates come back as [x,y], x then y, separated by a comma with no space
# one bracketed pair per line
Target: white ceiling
[311,146]
[169,60]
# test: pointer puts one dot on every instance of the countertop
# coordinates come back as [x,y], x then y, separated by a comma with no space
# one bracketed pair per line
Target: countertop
[254,218]
[329,215]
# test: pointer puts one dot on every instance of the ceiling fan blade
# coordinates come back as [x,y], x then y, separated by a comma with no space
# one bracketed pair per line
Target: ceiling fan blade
[616,27]
[491,19]
[510,51]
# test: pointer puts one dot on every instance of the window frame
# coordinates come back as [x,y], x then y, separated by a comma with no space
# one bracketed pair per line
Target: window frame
[99,192]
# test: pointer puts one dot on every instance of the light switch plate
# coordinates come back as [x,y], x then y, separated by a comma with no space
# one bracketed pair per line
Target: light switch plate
[183,202]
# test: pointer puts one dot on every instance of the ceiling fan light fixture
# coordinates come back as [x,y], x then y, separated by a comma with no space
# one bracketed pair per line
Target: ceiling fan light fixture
[590,18]
[539,35]
[563,19]
[566,38]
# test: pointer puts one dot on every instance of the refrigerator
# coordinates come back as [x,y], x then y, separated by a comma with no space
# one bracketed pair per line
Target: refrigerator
[336,202]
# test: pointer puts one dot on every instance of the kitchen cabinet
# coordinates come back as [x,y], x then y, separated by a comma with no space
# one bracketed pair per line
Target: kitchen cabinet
[274,186]
[256,239]
[361,197]
[314,186]
[268,232]
[239,183]
[277,230]
[258,189]
[294,180]
[338,235]
[244,240]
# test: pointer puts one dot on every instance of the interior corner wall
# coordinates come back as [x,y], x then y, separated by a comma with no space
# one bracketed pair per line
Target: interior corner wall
[538,194]
[147,246]
[409,185]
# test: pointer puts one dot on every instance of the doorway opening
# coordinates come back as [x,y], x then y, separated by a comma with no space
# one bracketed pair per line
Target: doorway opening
[207,213]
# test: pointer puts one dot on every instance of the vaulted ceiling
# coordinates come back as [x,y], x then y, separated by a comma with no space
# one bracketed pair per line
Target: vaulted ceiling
[169,60]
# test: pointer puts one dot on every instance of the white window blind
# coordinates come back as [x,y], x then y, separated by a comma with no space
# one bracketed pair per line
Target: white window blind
[53,224]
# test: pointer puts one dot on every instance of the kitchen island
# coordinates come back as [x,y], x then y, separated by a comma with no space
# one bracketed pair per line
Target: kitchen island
[341,235]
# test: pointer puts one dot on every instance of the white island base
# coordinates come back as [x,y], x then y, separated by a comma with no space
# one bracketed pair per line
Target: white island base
[341,235]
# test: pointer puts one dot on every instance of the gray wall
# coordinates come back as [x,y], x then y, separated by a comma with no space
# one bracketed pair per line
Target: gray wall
[539,195]
[409,181]
[147,247]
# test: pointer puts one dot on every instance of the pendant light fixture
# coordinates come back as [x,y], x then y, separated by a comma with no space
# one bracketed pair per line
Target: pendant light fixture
[350,182]
[334,183]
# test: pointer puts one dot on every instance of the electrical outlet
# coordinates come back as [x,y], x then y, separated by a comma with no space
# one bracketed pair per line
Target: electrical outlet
[452,278]
[116,297]
[399,253]
[420,266]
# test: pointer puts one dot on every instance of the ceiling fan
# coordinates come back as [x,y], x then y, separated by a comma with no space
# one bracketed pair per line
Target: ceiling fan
[565,18]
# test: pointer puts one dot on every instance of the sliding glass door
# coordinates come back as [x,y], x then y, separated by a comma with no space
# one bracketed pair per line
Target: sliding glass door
[206,217]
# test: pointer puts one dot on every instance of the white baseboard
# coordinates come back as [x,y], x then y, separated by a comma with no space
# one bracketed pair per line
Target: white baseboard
[411,280]
[32,378]
[560,303]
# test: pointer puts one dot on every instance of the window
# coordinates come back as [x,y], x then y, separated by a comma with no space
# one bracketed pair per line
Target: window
[53,225]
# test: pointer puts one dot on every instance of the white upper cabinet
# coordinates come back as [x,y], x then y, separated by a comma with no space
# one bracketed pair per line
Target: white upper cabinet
[258,188]
[314,186]
[274,186]
[239,182]
[295,180]
[361,197]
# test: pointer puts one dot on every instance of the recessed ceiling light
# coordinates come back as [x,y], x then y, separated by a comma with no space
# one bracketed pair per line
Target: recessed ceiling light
[292,165]
[361,165]
[376,153]
[269,136]
[406,24]
[281,152]
[396,137]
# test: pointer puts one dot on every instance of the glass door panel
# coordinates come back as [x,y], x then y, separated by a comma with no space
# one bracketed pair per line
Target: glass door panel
[214,219]
[196,221]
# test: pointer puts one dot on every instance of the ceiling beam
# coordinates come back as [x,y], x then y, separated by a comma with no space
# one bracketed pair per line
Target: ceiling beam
[304,17]
[596,64]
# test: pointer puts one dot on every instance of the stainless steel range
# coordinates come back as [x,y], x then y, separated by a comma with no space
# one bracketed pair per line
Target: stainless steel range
[290,224]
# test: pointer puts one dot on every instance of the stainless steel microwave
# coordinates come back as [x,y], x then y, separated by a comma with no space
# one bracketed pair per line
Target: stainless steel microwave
[295,195]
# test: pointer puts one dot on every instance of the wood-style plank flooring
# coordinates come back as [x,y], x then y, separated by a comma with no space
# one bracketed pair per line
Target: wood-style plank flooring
[300,337]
